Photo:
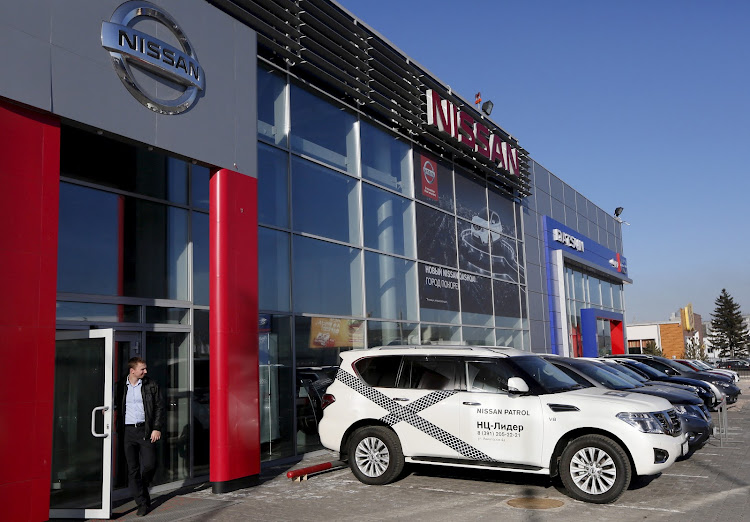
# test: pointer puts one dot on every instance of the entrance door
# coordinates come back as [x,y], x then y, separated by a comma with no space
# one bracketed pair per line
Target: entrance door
[82,433]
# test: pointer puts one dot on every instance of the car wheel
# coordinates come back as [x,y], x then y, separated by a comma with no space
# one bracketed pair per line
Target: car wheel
[594,468]
[375,455]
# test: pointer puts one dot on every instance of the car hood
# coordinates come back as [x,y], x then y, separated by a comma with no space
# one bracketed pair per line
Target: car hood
[619,400]
[673,395]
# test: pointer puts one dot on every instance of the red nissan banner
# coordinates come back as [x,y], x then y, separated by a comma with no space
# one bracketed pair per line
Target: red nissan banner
[428,168]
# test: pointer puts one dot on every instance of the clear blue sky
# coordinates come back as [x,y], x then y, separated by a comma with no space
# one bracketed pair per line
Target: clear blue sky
[640,104]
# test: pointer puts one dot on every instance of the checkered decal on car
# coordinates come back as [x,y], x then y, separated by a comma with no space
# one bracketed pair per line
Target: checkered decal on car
[408,413]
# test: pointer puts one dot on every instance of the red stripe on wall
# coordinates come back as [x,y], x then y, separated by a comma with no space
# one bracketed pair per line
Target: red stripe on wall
[235,414]
[29,202]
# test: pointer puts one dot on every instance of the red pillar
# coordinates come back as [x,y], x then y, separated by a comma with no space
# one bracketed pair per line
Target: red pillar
[235,413]
[618,339]
[29,199]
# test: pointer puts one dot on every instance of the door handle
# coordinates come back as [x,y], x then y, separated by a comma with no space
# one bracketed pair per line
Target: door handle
[473,403]
[93,422]
[402,399]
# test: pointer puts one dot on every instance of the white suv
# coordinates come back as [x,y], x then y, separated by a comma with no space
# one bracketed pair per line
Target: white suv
[482,407]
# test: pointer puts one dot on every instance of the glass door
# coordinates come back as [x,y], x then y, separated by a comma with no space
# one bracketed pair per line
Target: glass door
[82,432]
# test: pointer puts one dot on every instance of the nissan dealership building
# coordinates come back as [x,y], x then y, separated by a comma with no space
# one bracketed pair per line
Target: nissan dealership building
[237,191]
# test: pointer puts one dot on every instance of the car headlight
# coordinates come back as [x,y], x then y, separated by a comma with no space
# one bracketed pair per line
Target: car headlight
[689,410]
[723,384]
[645,422]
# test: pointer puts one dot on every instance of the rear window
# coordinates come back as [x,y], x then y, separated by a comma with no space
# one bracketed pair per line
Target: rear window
[379,372]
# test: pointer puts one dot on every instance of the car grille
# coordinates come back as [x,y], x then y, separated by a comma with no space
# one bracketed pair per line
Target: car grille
[670,422]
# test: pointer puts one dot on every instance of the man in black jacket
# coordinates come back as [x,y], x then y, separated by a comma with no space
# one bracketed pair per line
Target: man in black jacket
[142,413]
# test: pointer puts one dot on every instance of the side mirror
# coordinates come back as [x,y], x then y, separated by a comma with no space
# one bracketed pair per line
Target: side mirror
[516,385]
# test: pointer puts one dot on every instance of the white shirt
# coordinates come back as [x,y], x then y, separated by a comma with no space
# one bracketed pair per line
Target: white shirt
[134,412]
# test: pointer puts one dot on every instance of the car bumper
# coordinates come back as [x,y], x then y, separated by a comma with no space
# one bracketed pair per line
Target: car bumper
[647,460]
[697,430]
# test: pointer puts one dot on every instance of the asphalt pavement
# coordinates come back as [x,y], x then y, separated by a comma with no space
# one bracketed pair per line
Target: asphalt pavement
[711,484]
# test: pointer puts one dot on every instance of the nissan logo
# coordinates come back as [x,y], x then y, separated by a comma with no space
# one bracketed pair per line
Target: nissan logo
[428,171]
[131,48]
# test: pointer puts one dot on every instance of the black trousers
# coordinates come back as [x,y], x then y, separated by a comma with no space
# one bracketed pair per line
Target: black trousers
[140,454]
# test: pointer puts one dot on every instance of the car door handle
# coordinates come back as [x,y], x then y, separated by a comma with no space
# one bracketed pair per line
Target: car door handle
[400,399]
[473,403]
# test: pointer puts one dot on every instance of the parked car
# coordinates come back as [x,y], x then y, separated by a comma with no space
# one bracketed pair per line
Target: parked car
[493,408]
[673,368]
[698,366]
[710,394]
[734,364]
[693,413]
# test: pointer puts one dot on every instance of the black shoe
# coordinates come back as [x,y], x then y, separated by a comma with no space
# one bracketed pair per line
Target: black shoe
[143,510]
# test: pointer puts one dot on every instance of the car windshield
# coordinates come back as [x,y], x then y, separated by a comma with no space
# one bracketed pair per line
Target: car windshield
[679,366]
[624,372]
[602,376]
[551,379]
[645,368]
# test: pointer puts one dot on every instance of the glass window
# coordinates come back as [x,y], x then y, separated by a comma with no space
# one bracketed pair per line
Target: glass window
[606,294]
[433,181]
[201,256]
[325,202]
[273,191]
[505,261]
[488,376]
[385,159]
[580,294]
[97,312]
[169,365]
[200,186]
[273,270]
[391,287]
[439,333]
[327,278]
[322,131]
[507,304]
[438,294]
[382,333]
[479,336]
[379,372]
[388,222]
[476,300]
[436,236]
[501,211]
[277,391]
[104,161]
[200,409]
[271,106]
[430,373]
[83,265]
[471,198]
[158,314]
[617,297]
[595,290]
[511,338]
[140,248]
[473,247]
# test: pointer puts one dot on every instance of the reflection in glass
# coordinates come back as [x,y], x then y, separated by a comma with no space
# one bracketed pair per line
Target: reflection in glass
[200,258]
[318,342]
[437,333]
[77,457]
[272,186]
[381,333]
[436,236]
[388,222]
[97,312]
[510,338]
[168,365]
[327,278]
[158,314]
[471,198]
[507,304]
[200,186]
[273,267]
[385,159]
[322,131]
[606,294]
[277,433]
[391,287]
[200,402]
[479,336]
[271,106]
[325,202]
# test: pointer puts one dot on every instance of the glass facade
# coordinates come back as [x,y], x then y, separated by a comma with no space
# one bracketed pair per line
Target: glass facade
[367,240]
[583,290]
[133,255]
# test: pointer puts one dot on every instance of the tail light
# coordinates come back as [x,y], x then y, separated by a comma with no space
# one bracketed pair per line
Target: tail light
[328,399]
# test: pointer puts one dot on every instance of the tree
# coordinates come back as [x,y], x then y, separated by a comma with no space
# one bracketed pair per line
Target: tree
[694,349]
[650,348]
[728,333]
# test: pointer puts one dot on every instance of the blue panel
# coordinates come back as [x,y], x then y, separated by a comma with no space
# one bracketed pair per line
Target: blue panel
[588,328]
